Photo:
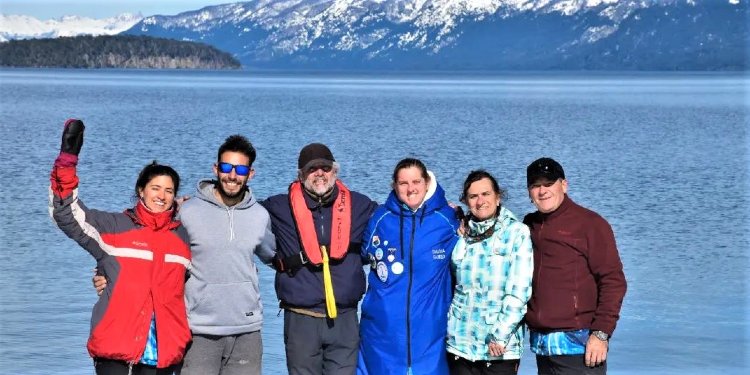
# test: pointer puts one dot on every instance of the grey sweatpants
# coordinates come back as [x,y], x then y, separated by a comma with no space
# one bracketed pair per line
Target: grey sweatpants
[321,346]
[224,355]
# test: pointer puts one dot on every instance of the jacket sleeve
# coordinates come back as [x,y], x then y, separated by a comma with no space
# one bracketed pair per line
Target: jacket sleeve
[70,214]
[517,287]
[362,210]
[367,237]
[604,262]
[266,250]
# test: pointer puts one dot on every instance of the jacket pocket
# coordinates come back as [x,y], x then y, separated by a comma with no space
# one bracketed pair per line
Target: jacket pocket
[225,304]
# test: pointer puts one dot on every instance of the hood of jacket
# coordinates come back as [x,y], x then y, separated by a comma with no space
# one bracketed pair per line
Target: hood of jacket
[205,191]
[434,200]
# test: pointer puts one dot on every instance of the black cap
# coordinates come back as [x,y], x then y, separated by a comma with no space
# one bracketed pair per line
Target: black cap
[544,168]
[314,153]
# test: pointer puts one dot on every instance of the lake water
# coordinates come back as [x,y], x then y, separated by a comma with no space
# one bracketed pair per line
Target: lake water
[664,157]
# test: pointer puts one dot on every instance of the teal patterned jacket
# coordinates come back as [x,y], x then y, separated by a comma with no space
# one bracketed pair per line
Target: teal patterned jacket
[493,285]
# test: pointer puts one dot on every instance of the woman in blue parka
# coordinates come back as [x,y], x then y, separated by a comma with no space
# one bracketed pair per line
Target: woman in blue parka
[408,244]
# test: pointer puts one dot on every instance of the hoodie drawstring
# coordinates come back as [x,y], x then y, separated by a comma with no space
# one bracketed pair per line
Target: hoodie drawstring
[230,213]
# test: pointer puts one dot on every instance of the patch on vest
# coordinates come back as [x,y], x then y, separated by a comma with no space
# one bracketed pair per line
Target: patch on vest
[382,270]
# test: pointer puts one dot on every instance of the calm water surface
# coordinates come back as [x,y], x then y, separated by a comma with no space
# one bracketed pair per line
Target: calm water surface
[664,157]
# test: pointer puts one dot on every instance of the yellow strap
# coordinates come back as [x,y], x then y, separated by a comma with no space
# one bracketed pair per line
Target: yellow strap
[328,286]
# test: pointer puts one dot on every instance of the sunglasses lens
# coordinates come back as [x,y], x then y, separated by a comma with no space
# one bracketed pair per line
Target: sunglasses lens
[324,168]
[225,167]
[242,170]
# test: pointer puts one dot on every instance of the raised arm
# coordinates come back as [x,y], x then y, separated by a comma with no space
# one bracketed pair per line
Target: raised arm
[68,212]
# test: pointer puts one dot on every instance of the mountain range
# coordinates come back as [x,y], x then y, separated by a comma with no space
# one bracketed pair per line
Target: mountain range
[469,34]
[13,27]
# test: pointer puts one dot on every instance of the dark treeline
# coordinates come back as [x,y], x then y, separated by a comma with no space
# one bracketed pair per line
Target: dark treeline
[113,51]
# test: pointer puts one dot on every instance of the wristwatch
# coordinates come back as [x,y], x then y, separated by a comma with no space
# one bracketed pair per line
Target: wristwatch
[600,335]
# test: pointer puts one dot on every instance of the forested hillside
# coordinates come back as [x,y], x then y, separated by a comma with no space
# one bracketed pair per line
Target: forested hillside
[114,51]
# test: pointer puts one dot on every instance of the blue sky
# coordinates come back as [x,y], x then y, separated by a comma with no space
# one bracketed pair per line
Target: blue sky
[46,9]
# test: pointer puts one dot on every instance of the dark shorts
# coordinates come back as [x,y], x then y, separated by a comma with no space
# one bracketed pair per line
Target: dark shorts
[462,366]
[104,366]
[567,365]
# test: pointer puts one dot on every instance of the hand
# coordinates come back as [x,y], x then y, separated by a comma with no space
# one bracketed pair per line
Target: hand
[461,217]
[72,137]
[100,282]
[496,349]
[181,200]
[596,351]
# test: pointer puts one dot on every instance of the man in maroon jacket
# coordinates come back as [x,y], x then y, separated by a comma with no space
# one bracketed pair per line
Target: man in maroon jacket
[578,283]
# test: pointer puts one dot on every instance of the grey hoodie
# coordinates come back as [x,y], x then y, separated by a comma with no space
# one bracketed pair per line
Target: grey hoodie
[222,294]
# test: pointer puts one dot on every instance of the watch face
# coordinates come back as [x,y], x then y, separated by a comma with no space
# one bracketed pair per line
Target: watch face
[601,335]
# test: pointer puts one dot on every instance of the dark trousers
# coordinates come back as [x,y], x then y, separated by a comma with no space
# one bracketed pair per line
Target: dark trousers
[115,367]
[462,366]
[316,346]
[567,365]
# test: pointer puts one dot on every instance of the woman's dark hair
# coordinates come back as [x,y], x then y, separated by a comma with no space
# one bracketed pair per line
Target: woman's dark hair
[477,175]
[237,143]
[408,163]
[153,170]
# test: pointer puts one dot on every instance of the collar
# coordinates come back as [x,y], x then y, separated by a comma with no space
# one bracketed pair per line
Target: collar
[156,221]
[564,206]
[314,202]
[478,231]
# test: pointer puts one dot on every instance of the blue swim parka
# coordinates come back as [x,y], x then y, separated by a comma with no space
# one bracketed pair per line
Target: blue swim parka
[405,308]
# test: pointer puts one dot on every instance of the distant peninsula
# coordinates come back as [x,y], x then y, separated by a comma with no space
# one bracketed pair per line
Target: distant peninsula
[114,51]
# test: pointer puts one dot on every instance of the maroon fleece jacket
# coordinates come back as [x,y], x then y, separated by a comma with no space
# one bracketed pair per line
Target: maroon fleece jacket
[578,279]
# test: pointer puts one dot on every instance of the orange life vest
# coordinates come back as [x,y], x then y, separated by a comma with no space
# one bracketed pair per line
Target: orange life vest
[341,223]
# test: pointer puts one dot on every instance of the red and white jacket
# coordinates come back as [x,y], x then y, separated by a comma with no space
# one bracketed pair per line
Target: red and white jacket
[145,258]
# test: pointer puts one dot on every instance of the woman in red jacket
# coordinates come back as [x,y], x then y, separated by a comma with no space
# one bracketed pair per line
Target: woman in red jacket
[139,325]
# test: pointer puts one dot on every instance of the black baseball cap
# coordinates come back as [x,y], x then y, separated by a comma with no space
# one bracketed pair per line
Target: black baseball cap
[315,154]
[544,168]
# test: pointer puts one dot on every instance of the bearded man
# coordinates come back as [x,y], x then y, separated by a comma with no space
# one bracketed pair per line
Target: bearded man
[318,226]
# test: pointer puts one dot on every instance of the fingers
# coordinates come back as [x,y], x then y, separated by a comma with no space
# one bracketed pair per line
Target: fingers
[496,350]
[595,357]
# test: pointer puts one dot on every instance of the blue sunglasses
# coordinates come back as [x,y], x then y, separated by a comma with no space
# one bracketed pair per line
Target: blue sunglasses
[241,170]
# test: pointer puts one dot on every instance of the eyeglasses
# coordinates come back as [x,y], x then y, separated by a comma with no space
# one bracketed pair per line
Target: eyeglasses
[325,168]
[241,170]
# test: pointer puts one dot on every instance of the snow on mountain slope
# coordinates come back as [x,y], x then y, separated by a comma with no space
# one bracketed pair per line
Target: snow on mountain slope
[26,27]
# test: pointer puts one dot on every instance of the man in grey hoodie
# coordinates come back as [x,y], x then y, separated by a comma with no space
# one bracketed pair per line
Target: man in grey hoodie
[227,226]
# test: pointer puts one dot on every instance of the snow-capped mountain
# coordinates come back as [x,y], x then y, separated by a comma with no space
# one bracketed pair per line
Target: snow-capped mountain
[26,27]
[469,34]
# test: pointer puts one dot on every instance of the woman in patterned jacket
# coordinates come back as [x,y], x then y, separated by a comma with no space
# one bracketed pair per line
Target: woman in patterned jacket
[493,264]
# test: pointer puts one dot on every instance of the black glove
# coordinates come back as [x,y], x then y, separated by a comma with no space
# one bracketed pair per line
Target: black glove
[72,137]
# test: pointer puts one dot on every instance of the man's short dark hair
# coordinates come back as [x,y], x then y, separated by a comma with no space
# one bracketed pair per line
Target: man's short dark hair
[237,143]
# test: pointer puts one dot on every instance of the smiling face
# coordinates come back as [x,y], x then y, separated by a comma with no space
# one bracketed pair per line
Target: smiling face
[158,194]
[482,199]
[318,179]
[231,185]
[410,186]
[548,195]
